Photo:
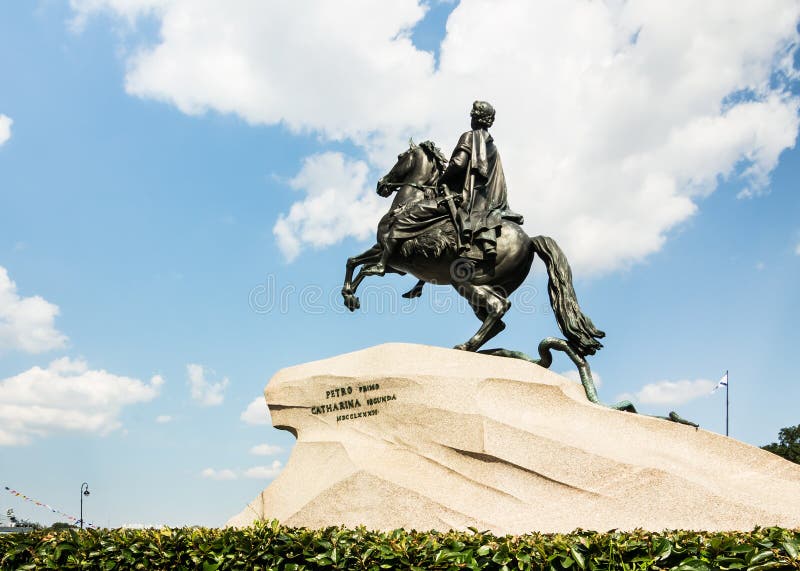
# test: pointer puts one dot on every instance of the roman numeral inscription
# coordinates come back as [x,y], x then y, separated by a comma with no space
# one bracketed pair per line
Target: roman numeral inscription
[348,400]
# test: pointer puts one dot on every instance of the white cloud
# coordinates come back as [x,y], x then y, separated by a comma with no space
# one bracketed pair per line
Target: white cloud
[256,412]
[329,181]
[163,418]
[26,323]
[203,391]
[345,54]
[223,474]
[671,392]
[264,471]
[67,396]
[614,118]
[5,128]
[573,375]
[797,249]
[258,472]
[265,450]
[129,10]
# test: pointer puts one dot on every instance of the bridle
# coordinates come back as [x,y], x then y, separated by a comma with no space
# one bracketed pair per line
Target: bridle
[423,187]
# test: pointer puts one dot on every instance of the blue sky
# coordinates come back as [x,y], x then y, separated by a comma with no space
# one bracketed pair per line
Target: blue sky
[143,184]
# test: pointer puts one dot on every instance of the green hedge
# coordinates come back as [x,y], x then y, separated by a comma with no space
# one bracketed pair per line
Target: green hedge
[272,546]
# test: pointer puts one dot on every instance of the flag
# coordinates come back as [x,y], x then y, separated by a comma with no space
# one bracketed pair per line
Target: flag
[723,382]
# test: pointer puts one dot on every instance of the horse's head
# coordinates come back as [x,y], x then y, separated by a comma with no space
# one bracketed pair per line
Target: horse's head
[399,172]
[419,164]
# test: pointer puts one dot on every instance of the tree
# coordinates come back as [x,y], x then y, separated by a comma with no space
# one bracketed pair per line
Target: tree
[20,522]
[789,444]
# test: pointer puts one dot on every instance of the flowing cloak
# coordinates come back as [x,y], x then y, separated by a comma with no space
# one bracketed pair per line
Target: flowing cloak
[485,203]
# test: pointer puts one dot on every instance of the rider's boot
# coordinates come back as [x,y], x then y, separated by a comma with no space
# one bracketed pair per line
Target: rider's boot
[379,269]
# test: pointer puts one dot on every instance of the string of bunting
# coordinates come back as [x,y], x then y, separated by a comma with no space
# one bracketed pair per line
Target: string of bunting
[71,518]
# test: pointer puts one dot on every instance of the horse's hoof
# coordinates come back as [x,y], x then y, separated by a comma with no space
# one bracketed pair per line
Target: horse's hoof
[351,302]
[462,347]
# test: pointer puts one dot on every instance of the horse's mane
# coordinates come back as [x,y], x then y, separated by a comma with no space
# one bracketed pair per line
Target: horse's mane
[433,242]
[435,154]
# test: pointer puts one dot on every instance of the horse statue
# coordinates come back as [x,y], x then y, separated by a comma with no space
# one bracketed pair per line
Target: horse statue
[431,255]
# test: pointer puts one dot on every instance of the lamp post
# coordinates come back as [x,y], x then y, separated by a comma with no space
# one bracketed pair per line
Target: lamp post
[84,492]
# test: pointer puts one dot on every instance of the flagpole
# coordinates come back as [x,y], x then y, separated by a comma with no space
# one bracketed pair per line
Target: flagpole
[727,384]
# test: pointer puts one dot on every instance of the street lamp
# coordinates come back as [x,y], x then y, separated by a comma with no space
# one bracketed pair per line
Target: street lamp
[84,492]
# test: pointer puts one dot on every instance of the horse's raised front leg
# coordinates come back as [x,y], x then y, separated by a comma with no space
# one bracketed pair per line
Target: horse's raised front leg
[350,285]
[489,307]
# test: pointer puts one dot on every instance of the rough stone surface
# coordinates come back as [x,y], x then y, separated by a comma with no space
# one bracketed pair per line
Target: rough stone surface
[501,445]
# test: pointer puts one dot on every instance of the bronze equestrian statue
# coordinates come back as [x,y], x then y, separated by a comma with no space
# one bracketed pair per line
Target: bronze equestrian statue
[450,223]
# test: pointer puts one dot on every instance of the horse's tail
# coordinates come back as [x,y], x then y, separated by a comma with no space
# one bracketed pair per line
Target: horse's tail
[579,330]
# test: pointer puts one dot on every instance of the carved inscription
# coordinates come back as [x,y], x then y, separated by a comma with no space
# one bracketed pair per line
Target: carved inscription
[348,401]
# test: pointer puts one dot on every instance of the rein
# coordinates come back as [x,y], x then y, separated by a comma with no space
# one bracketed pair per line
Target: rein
[411,184]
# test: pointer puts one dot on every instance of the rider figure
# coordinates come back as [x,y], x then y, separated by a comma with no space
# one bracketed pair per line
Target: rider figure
[475,175]
[473,186]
